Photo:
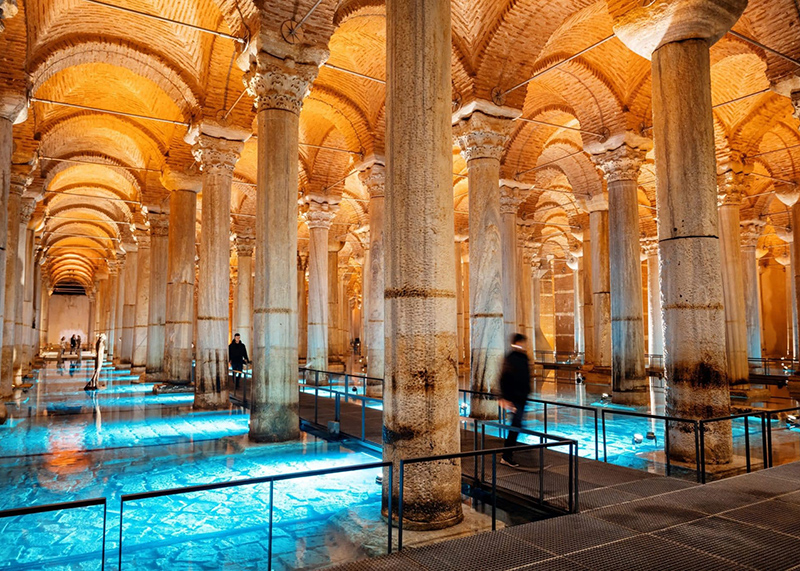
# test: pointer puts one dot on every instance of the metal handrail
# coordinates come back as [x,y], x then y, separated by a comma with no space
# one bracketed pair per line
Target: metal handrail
[768,414]
[30,510]
[254,481]
[474,453]
[745,415]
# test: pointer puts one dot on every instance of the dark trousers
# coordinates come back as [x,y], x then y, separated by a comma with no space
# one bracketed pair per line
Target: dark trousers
[516,420]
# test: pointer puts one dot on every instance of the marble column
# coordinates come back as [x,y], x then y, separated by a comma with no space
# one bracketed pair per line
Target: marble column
[157,306]
[751,231]
[217,150]
[279,78]
[465,300]
[526,286]
[373,180]
[319,217]
[13,281]
[655,323]
[27,321]
[23,277]
[142,302]
[730,201]
[576,265]
[243,319]
[677,34]
[179,319]
[794,268]
[629,380]
[588,301]
[119,304]
[421,389]
[564,309]
[129,303]
[540,342]
[302,306]
[601,281]
[114,268]
[510,199]
[459,301]
[482,138]
[334,324]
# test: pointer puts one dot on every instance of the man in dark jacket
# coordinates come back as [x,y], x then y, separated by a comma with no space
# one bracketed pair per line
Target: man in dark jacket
[237,356]
[515,385]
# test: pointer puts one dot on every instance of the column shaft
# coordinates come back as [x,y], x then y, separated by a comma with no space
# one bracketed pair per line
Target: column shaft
[142,306]
[601,287]
[655,324]
[12,284]
[318,306]
[129,307]
[157,306]
[733,293]
[373,179]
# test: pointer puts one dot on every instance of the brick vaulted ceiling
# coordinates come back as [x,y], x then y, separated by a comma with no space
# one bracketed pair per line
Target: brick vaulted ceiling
[97,173]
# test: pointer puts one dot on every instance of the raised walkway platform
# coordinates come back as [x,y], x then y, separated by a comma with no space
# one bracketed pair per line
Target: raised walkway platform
[745,522]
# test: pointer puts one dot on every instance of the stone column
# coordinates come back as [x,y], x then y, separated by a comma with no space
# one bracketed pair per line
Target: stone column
[129,303]
[119,306]
[730,201]
[526,286]
[563,304]
[92,295]
[334,325]
[510,200]
[588,302]
[13,281]
[179,323]
[27,320]
[540,342]
[420,394]
[373,180]
[795,267]
[302,305]
[465,340]
[280,80]
[157,306]
[655,323]
[114,268]
[245,242]
[23,277]
[319,217]
[482,138]
[459,302]
[750,233]
[628,374]
[576,265]
[142,303]
[678,34]
[601,281]
[217,150]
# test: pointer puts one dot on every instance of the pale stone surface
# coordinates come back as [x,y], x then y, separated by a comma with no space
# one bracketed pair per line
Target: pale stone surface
[510,199]
[750,233]
[129,304]
[142,307]
[12,283]
[540,342]
[243,320]
[420,392]
[373,179]
[655,322]
[588,301]
[601,286]
[302,305]
[157,307]
[21,276]
[217,156]
[279,82]
[628,376]
[691,284]
[119,307]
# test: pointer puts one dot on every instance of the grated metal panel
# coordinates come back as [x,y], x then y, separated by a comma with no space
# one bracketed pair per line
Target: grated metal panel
[604,497]
[602,474]
[566,534]
[789,471]
[774,515]
[648,553]
[745,544]
[482,552]
[647,515]
[394,562]
[556,564]
[655,486]
[793,498]
[757,484]
[709,500]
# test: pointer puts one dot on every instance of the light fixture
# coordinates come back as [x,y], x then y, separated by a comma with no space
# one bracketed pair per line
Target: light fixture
[605,396]
[637,438]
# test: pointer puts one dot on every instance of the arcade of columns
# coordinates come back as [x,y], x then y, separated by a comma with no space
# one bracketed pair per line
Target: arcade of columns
[574,255]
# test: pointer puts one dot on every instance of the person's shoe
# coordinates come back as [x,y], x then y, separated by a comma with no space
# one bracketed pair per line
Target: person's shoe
[509,463]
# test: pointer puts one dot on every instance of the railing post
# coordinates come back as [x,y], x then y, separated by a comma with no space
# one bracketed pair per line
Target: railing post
[494,491]
[746,442]
[605,447]
[121,510]
[269,545]
[364,419]
[764,454]
[596,438]
[696,448]
[769,438]
[666,444]
[103,549]
[570,482]
[702,452]
[541,476]
[400,508]
[347,386]
[337,412]
[389,503]
[545,418]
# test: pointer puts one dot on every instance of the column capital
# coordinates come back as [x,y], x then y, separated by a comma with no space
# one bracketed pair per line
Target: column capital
[19,182]
[649,245]
[373,179]
[142,236]
[245,242]
[482,136]
[13,102]
[283,82]
[26,209]
[302,261]
[8,9]
[751,231]
[321,211]
[159,224]
[510,199]
[731,185]
[189,180]
[217,155]
[597,202]
[622,163]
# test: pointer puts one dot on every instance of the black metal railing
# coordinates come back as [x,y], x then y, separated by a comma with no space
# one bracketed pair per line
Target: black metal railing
[773,366]
[702,424]
[33,510]
[255,481]
[768,415]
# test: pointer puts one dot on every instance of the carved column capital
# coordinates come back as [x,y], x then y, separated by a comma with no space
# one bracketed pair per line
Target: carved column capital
[373,179]
[510,199]
[159,224]
[751,231]
[622,163]
[482,136]
[215,155]
[649,245]
[8,9]
[19,183]
[26,209]
[321,211]
[731,185]
[245,244]
[282,83]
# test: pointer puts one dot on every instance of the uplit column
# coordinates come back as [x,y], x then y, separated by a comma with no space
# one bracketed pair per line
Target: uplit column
[26,323]
[655,323]
[179,324]
[538,271]
[114,267]
[243,321]
[302,305]
[119,305]
[23,276]
[334,324]
[13,281]
[588,301]
[459,301]
[628,375]
[601,280]
[510,199]
[526,285]
[142,303]
[129,302]
[321,211]
[279,81]
[750,233]
[421,389]
[217,150]
[730,200]
[157,306]
[373,179]
[677,35]
[482,138]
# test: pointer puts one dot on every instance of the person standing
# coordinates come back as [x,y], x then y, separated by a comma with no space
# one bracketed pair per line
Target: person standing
[62,346]
[515,385]
[72,342]
[100,355]
[237,356]
[79,348]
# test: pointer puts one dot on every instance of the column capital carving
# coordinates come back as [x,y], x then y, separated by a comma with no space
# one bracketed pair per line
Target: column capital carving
[731,185]
[159,224]
[283,83]
[649,245]
[373,179]
[26,209]
[510,199]
[215,155]
[751,231]
[482,136]
[142,236]
[8,9]
[787,194]
[622,163]
[245,243]
[302,261]
[190,180]
[13,102]
[19,182]
[321,211]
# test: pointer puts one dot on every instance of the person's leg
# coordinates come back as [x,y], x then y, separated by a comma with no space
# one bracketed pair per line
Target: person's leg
[511,439]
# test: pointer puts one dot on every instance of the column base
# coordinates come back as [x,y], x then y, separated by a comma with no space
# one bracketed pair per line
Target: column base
[146,377]
[138,370]
[753,393]
[631,398]
[411,525]
[173,388]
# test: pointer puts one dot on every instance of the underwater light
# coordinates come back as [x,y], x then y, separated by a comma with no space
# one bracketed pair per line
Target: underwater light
[605,396]
[651,435]
[791,420]
[637,438]
[379,479]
